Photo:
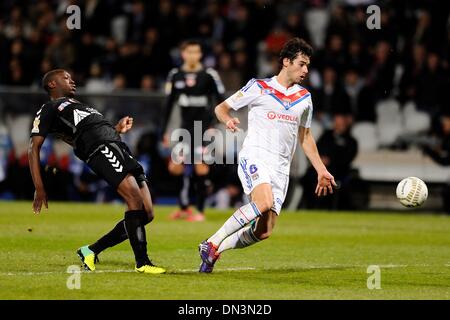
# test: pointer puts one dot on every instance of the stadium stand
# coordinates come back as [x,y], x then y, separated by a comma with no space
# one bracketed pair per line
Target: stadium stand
[393,80]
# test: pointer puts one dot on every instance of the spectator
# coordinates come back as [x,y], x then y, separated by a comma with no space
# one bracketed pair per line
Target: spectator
[231,77]
[331,97]
[432,83]
[97,83]
[338,149]
[440,153]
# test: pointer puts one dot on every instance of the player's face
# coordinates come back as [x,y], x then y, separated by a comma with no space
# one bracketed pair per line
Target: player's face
[66,85]
[192,54]
[297,69]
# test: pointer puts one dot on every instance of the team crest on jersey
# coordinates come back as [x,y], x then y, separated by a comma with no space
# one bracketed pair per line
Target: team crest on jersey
[191,80]
[267,91]
[287,103]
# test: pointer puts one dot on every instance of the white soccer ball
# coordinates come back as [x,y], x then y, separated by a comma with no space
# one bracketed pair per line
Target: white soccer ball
[412,192]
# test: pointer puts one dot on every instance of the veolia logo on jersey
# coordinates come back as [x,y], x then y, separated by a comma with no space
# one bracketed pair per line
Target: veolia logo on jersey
[271,115]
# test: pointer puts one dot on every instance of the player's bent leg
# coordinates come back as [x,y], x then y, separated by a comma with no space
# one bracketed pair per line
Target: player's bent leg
[208,249]
[265,224]
[135,221]
[262,200]
[201,176]
[178,170]
[147,200]
[262,197]
[240,218]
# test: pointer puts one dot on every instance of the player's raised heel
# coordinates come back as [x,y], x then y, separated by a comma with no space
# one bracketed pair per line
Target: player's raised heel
[209,255]
[87,257]
[150,268]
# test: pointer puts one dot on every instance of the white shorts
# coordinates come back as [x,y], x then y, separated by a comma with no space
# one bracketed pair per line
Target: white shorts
[253,172]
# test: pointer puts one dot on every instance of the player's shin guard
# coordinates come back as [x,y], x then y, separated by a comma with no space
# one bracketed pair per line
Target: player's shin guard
[184,193]
[240,218]
[201,186]
[240,239]
[135,221]
[117,235]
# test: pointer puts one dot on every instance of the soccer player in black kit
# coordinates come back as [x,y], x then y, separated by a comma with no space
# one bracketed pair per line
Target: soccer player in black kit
[192,87]
[97,142]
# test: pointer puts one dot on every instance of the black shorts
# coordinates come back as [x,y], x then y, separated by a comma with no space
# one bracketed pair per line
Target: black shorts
[112,161]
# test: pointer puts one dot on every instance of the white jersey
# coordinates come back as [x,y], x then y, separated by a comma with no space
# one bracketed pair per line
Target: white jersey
[274,117]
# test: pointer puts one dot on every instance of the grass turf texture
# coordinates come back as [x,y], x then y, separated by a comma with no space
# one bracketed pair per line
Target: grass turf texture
[311,255]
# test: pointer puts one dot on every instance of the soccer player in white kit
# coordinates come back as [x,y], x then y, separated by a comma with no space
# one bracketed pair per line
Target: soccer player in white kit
[280,113]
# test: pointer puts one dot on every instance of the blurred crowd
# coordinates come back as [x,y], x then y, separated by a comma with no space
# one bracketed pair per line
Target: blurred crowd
[133,44]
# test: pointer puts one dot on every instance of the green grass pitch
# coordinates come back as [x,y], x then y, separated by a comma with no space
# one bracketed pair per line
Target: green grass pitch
[311,255]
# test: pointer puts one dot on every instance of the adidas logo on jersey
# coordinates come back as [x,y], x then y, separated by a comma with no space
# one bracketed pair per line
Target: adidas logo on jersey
[79,115]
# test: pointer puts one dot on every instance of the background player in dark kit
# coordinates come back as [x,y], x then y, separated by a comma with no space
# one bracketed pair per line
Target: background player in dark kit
[98,143]
[192,87]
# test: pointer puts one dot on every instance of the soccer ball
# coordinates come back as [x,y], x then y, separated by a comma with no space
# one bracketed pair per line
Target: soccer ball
[412,192]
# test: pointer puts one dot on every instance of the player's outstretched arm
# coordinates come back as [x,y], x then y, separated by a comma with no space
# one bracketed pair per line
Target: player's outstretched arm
[325,180]
[124,124]
[40,196]
[222,112]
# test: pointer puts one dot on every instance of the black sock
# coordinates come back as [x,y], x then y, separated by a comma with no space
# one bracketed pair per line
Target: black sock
[201,192]
[135,221]
[184,193]
[117,235]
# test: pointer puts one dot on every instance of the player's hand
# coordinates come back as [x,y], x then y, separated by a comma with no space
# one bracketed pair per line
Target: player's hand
[40,197]
[232,124]
[325,183]
[124,124]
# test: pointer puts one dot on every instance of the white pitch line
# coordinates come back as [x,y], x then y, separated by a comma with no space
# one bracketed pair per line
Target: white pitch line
[217,271]
[61,272]
[107,271]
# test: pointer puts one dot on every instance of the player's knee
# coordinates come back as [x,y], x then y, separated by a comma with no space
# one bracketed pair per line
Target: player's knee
[264,205]
[264,235]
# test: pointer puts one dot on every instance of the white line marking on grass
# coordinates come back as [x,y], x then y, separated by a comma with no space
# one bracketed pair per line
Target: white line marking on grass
[108,271]
[333,266]
[61,272]
[175,271]
[218,270]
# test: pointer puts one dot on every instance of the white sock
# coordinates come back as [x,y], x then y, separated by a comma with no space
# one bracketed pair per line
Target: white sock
[240,239]
[240,218]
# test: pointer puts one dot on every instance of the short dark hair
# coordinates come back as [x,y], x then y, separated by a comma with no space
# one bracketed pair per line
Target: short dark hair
[293,48]
[190,42]
[49,76]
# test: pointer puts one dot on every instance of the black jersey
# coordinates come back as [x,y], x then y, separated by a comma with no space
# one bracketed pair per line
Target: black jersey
[76,123]
[193,92]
